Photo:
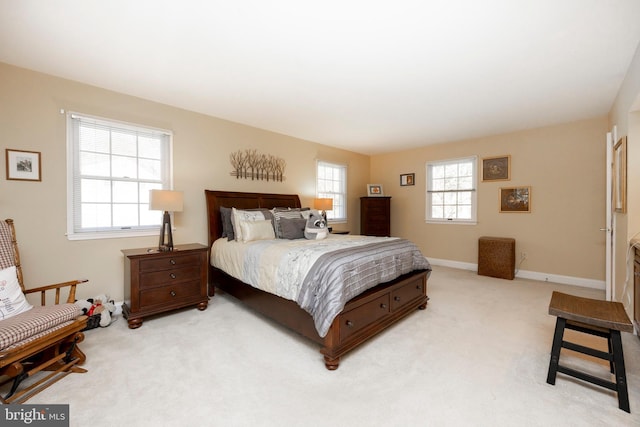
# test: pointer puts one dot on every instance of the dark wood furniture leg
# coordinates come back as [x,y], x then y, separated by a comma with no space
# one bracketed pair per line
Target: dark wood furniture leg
[594,317]
[620,371]
[555,350]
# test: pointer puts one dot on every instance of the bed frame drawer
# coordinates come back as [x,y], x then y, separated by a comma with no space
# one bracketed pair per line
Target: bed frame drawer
[359,317]
[406,293]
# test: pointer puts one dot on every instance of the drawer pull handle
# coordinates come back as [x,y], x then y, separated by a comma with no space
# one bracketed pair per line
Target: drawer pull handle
[419,287]
[396,298]
[172,261]
[350,323]
[173,293]
[173,276]
[383,305]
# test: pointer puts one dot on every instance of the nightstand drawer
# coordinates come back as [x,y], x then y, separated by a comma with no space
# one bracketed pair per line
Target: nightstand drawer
[170,293]
[165,277]
[168,262]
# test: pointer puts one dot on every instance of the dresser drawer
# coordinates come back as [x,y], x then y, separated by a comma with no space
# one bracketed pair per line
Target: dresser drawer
[163,263]
[166,277]
[380,210]
[381,218]
[406,293]
[356,319]
[377,227]
[170,293]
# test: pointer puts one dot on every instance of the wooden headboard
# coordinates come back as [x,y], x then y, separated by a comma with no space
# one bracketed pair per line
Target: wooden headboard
[229,199]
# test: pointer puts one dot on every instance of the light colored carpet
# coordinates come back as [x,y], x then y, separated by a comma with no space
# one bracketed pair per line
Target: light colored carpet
[478,356]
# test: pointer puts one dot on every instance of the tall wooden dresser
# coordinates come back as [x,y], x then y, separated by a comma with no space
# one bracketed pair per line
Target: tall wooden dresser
[375,216]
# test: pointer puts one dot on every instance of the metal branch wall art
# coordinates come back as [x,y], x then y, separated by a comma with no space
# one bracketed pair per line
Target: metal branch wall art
[250,164]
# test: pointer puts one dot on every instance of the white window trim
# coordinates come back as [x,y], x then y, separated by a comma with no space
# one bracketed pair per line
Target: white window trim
[111,234]
[474,194]
[346,169]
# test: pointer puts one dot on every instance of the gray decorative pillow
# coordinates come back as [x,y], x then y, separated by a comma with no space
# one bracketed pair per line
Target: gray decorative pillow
[292,228]
[281,213]
[227,225]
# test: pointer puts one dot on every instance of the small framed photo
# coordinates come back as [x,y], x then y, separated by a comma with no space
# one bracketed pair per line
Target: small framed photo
[620,175]
[374,190]
[23,165]
[407,179]
[496,168]
[515,199]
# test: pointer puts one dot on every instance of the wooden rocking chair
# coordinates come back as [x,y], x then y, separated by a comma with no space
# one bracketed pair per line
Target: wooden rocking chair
[43,338]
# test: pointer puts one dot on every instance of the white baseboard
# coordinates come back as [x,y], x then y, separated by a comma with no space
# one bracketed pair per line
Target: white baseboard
[118,305]
[525,274]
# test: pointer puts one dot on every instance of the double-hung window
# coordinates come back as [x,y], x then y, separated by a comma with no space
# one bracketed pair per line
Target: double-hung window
[331,183]
[111,167]
[451,191]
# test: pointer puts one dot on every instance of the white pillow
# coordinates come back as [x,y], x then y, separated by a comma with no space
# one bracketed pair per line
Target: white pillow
[12,300]
[257,230]
[238,215]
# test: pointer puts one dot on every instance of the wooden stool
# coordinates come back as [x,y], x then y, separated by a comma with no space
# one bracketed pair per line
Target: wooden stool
[601,318]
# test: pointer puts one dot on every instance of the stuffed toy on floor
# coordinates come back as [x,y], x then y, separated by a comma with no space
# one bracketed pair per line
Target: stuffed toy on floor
[101,305]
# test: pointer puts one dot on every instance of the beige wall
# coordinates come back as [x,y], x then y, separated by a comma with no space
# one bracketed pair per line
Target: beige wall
[30,119]
[565,167]
[625,115]
[563,164]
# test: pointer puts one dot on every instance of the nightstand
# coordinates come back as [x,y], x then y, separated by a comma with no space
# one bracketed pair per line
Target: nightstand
[339,232]
[156,282]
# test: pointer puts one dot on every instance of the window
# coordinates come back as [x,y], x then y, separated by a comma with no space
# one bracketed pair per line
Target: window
[451,191]
[332,183]
[111,167]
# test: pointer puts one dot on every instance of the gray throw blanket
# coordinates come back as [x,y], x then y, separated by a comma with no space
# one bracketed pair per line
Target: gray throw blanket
[338,276]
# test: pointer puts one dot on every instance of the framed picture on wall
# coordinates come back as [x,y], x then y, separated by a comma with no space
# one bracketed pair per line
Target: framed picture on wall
[374,190]
[407,179]
[620,175]
[515,199]
[496,168]
[23,165]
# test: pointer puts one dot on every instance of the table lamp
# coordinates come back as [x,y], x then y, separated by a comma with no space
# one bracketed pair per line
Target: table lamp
[324,205]
[167,201]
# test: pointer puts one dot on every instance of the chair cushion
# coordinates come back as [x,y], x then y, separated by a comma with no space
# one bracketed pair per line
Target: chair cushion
[7,257]
[12,300]
[38,321]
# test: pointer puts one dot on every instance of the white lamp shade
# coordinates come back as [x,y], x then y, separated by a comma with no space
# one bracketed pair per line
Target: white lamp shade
[165,200]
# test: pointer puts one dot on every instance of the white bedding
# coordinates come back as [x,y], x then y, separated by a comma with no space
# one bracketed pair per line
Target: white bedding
[278,266]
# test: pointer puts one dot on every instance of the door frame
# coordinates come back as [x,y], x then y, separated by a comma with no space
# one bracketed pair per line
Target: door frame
[610,226]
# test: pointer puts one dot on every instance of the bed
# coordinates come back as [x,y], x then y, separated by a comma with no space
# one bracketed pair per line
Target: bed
[362,317]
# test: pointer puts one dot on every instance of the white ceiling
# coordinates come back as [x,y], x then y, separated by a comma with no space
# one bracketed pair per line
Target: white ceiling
[366,75]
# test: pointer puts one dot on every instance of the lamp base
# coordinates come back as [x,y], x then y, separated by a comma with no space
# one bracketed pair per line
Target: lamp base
[165,231]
